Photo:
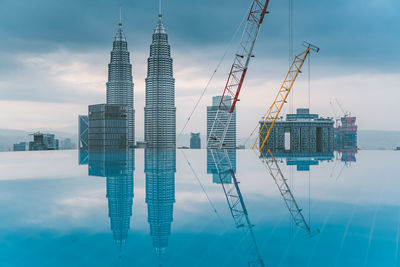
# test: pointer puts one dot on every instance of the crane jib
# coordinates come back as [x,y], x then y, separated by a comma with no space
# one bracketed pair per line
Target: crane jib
[238,72]
[257,13]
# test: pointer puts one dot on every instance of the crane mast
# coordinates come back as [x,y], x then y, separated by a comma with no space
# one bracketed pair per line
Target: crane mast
[236,204]
[237,74]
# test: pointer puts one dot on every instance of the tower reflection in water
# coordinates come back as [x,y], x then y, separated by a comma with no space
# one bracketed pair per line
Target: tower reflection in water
[118,167]
[160,168]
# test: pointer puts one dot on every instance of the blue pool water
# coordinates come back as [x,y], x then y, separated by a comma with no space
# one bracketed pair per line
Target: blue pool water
[152,209]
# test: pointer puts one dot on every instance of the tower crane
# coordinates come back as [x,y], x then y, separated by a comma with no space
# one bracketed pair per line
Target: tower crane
[237,74]
[283,93]
[345,113]
[265,131]
[236,204]
[286,193]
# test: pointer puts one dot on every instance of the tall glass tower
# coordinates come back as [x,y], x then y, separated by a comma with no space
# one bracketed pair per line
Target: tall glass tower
[160,111]
[120,84]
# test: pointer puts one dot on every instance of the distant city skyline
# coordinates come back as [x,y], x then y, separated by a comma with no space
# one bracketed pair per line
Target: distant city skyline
[50,62]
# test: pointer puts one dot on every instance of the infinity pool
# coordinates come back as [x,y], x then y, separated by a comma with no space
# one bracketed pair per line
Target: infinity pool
[170,209]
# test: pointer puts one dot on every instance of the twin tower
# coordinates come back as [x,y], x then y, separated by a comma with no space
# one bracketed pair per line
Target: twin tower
[160,110]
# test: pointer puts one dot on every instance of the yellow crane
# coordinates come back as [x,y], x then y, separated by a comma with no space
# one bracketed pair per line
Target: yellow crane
[276,107]
[265,130]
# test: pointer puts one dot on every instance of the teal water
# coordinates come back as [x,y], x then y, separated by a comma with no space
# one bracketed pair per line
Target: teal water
[151,209]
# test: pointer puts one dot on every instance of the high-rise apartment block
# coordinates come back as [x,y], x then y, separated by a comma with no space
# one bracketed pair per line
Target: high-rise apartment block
[108,127]
[120,82]
[230,137]
[160,111]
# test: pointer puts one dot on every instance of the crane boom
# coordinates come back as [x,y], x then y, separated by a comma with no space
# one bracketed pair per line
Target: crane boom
[236,204]
[237,74]
[265,130]
[280,99]
[286,193]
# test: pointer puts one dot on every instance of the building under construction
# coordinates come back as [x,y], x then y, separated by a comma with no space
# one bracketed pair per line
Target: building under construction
[346,133]
[300,133]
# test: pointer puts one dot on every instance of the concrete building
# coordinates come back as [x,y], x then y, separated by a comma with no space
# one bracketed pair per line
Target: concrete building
[230,138]
[43,141]
[22,146]
[108,127]
[160,168]
[195,141]
[120,82]
[302,133]
[160,111]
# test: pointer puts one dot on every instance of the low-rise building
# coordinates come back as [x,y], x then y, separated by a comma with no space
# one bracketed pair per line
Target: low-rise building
[42,141]
[300,133]
[20,146]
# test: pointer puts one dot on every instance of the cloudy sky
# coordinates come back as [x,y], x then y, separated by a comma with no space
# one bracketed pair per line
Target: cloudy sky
[54,56]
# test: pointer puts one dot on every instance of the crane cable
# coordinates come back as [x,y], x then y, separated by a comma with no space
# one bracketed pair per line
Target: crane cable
[201,185]
[215,72]
[290,50]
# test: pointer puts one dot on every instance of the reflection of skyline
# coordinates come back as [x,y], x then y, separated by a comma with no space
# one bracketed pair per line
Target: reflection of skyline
[224,170]
[302,161]
[160,168]
[223,163]
[118,167]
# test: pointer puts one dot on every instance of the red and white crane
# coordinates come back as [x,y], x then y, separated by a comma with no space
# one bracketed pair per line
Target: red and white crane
[237,74]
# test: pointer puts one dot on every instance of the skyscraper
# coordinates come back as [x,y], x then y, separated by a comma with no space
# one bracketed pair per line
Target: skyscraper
[160,111]
[120,84]
[108,129]
[230,138]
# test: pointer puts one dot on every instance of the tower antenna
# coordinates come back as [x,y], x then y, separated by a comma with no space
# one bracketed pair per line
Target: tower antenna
[160,9]
[120,16]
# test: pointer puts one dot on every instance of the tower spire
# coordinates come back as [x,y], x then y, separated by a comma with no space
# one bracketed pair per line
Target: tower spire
[120,17]
[160,9]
